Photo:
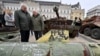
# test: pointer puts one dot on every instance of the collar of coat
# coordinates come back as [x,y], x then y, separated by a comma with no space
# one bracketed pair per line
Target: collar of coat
[36,15]
[24,12]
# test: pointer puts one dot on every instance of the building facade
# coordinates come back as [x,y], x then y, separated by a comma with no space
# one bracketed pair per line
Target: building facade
[44,8]
[95,11]
[77,12]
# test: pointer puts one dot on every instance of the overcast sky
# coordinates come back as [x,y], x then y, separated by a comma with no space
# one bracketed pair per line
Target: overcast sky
[85,4]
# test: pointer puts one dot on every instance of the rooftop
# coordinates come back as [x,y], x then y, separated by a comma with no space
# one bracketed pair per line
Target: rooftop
[42,2]
[94,8]
[48,3]
[76,5]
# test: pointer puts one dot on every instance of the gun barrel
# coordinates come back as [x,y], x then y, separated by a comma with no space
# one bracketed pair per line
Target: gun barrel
[56,11]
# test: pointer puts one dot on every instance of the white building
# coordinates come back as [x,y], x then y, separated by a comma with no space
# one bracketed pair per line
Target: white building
[46,8]
[43,7]
[16,6]
[65,11]
[95,11]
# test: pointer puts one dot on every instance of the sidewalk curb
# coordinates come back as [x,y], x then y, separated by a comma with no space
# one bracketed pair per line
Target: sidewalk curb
[89,38]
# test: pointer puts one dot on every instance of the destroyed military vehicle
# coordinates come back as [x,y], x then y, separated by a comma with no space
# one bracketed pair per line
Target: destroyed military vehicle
[91,27]
[61,23]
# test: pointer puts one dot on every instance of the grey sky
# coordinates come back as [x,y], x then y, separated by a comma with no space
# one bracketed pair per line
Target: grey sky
[85,4]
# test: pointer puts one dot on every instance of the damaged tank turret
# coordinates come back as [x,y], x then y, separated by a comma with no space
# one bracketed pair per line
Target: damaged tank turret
[60,23]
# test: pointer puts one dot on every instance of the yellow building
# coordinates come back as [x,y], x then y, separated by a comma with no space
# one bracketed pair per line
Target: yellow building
[77,13]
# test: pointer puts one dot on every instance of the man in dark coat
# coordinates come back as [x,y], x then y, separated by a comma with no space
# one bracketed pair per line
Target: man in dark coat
[23,22]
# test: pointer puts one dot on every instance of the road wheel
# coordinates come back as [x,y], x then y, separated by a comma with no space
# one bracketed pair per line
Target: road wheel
[74,34]
[87,31]
[95,33]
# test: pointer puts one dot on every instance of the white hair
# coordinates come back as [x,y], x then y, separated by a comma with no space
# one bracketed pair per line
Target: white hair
[22,4]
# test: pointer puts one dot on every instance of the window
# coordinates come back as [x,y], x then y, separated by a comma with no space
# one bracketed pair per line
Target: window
[41,10]
[14,8]
[10,8]
[52,11]
[80,13]
[44,10]
[66,11]
[47,10]
[32,8]
[47,16]
[59,11]
[29,9]
[62,11]
[17,8]
[71,17]
[76,8]
[7,7]
[72,13]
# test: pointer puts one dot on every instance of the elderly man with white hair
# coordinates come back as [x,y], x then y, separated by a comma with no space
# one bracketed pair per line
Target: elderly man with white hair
[38,24]
[23,22]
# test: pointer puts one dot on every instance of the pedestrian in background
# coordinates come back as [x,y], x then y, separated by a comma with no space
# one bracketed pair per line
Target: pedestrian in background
[0,20]
[23,22]
[0,17]
[78,23]
[9,19]
[38,24]
[3,18]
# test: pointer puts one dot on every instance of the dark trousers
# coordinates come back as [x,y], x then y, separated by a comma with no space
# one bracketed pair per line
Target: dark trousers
[38,34]
[24,35]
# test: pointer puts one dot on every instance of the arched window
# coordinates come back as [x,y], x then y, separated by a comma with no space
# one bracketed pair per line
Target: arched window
[14,8]
[66,11]
[10,8]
